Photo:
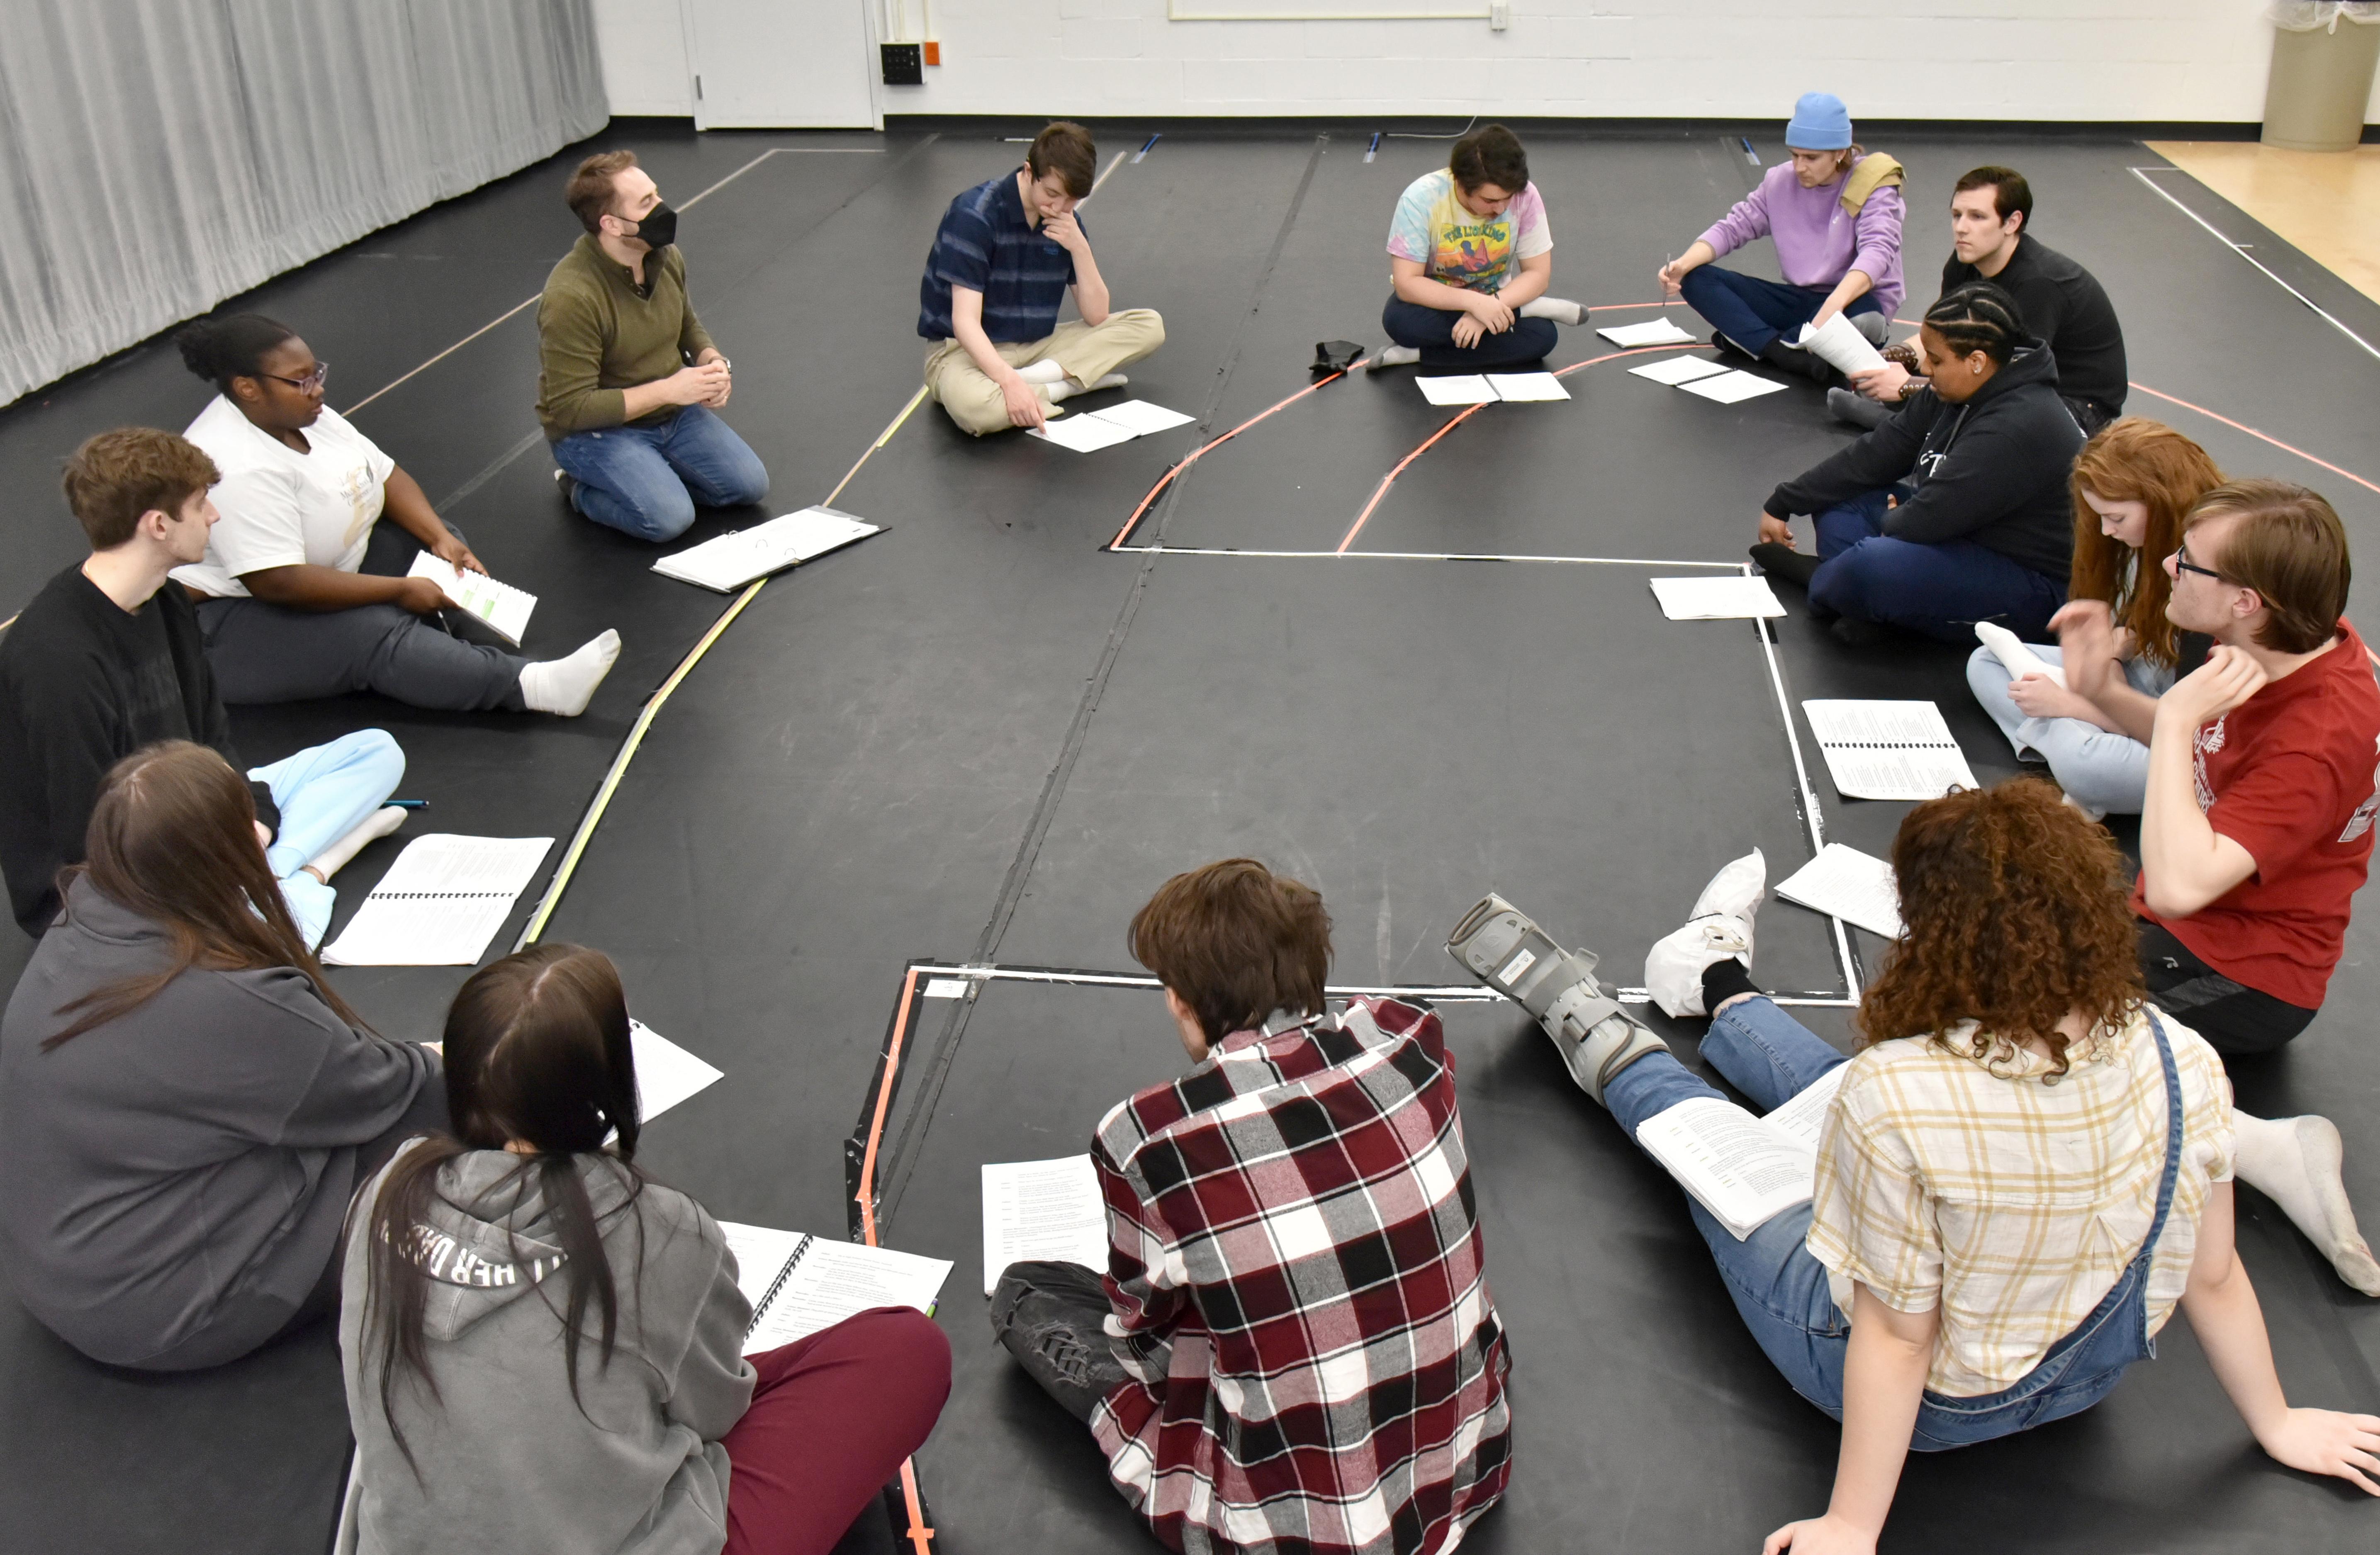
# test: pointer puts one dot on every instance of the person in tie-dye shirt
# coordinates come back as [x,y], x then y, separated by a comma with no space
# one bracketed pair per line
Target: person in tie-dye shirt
[1469,258]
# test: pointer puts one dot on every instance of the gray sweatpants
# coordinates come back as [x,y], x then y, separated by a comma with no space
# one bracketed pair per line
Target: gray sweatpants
[270,653]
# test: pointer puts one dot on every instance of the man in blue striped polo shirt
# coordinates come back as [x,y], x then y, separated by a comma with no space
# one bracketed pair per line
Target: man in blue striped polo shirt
[1006,252]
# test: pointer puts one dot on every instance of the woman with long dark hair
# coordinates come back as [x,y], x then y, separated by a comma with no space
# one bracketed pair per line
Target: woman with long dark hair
[544,1347]
[2133,486]
[186,1104]
[2024,1172]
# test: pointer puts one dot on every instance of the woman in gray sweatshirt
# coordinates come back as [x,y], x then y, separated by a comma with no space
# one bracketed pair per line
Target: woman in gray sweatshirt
[184,1104]
[544,1349]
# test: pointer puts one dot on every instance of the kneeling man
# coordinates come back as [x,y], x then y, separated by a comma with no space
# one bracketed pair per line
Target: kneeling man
[1293,1347]
[1006,252]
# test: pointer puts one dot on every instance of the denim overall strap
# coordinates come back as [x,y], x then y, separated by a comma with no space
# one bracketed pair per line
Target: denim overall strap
[2083,1367]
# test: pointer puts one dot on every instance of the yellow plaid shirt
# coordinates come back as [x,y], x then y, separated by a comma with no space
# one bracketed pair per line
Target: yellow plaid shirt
[2011,1198]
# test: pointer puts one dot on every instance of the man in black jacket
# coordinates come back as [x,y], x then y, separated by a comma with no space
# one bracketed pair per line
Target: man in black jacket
[108,659]
[1956,510]
[2061,302]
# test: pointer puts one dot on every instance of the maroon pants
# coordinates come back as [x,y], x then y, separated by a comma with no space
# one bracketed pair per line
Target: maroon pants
[832,1418]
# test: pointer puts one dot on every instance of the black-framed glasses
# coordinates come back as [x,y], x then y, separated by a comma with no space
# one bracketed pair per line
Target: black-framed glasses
[307,384]
[2182,563]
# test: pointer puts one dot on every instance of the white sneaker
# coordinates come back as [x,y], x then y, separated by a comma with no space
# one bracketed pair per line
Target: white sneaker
[1721,926]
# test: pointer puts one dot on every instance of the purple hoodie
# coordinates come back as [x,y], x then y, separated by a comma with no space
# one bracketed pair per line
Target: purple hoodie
[1817,240]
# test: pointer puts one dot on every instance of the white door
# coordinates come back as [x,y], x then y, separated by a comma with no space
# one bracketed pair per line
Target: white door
[780,64]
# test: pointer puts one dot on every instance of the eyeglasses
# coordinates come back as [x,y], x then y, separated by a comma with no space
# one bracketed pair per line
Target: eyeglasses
[307,384]
[2182,563]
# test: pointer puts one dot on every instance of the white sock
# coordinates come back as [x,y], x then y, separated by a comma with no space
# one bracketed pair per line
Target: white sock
[563,686]
[1395,355]
[1561,310]
[2298,1163]
[372,828]
[1064,387]
[1043,371]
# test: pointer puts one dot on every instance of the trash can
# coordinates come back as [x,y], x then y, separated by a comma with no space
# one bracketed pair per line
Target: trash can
[2323,52]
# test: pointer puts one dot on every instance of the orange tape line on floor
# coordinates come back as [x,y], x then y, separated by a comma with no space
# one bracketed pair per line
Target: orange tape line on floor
[1167,479]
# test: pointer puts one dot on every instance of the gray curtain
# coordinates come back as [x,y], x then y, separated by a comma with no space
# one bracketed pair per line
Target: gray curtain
[157,156]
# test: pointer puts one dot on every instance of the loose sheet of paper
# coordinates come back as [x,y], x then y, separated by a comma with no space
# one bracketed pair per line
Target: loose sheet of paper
[1735,1166]
[1840,345]
[1716,599]
[837,1280]
[666,1073]
[1889,750]
[1083,434]
[502,606]
[1662,331]
[1846,883]
[1141,417]
[1732,387]
[730,561]
[1042,1210]
[1678,371]
[1527,386]
[1467,389]
[440,903]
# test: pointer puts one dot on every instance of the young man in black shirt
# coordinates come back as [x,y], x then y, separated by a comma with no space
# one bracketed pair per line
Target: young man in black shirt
[108,659]
[2063,305]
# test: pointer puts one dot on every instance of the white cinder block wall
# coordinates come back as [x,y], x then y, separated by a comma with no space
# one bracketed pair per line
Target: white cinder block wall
[2189,60]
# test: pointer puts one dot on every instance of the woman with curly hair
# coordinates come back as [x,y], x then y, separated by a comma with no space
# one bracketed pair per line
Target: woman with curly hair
[2133,486]
[2022,1173]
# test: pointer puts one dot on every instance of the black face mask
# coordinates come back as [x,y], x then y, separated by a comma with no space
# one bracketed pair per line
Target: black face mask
[659,229]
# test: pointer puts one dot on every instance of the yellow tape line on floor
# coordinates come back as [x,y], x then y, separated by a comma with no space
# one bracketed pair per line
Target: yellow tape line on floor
[594,818]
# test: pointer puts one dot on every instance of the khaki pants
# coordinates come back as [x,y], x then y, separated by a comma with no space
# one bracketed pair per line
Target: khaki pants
[1086,352]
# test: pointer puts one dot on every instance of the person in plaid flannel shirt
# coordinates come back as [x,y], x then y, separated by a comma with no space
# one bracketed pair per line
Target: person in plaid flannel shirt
[1293,1347]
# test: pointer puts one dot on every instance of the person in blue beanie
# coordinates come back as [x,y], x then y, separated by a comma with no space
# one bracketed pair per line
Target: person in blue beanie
[1834,212]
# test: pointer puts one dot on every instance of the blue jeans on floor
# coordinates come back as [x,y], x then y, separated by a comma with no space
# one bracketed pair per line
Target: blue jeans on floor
[645,480]
[1752,311]
[1938,590]
[1782,1292]
[323,792]
[2098,767]
[1431,331]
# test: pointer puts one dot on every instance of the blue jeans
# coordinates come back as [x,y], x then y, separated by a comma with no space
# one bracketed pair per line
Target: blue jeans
[1781,1291]
[1752,311]
[323,792]
[1938,590]
[1431,330]
[645,480]
[2099,769]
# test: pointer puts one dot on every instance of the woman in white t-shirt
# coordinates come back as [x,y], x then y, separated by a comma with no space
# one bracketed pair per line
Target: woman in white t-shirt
[1469,259]
[303,591]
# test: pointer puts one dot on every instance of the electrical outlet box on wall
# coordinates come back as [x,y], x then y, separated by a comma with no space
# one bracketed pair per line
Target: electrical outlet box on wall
[904,64]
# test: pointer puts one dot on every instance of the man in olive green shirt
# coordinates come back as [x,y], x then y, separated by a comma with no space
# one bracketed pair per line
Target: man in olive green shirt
[627,378]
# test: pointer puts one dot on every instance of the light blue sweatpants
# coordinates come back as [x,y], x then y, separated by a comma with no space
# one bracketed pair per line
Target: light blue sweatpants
[2106,772]
[325,792]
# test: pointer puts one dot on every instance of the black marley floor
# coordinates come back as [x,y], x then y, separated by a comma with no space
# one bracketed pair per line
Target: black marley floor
[983,735]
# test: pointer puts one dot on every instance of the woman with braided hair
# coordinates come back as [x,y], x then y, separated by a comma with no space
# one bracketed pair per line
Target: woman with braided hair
[1954,511]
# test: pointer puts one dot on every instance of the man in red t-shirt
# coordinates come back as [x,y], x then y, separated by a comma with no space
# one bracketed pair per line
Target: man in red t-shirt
[2264,772]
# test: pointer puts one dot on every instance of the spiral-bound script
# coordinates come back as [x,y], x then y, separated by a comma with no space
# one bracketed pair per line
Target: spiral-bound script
[1889,750]
[440,903]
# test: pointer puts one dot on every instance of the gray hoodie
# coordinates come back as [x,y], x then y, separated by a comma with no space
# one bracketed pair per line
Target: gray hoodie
[172,1182]
[507,1460]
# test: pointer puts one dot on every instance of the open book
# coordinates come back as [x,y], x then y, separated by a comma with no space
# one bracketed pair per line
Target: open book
[1094,429]
[502,607]
[1042,1210]
[730,561]
[1662,331]
[1745,1170]
[798,1284]
[440,903]
[1480,388]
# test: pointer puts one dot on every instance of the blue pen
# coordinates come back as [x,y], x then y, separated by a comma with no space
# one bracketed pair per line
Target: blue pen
[1144,151]
[1373,150]
[407,804]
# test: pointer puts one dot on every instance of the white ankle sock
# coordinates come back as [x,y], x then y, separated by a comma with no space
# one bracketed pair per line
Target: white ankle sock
[1561,310]
[1394,356]
[372,828]
[563,686]
[1043,371]
[2296,1163]
[1064,387]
